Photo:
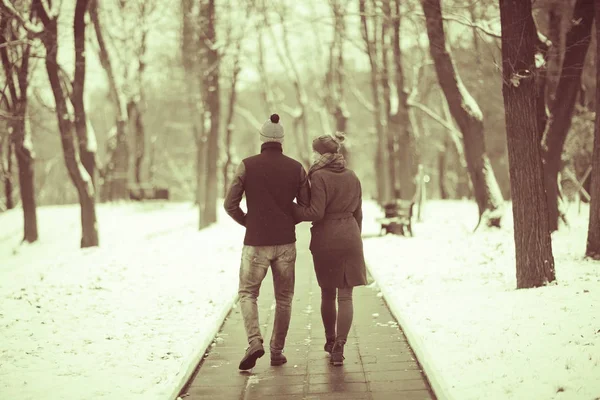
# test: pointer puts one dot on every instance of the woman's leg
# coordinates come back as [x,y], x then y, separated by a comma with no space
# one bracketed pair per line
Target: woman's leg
[345,313]
[328,312]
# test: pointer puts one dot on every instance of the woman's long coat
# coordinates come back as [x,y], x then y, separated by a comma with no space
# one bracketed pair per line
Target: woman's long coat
[336,211]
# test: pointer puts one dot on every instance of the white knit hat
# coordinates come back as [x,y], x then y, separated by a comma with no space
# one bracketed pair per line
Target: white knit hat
[272,131]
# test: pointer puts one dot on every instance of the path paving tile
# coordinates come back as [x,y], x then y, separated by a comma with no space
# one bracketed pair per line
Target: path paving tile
[379,363]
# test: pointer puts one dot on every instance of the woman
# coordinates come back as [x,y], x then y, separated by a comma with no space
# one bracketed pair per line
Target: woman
[336,244]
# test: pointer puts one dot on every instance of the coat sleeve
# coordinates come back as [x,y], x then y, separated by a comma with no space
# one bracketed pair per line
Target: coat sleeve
[318,200]
[234,196]
[303,196]
[358,214]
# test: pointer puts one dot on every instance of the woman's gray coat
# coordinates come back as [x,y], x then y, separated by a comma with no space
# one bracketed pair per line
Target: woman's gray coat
[336,211]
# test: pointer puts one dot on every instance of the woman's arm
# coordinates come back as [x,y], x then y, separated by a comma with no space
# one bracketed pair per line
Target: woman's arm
[318,200]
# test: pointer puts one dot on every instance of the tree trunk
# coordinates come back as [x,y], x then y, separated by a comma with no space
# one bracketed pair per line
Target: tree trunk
[593,239]
[25,161]
[87,145]
[555,35]
[195,94]
[336,74]
[442,155]
[533,245]
[79,176]
[201,184]
[8,184]
[228,165]
[17,66]
[209,57]
[139,106]
[381,172]
[577,43]
[2,165]
[117,173]
[340,116]
[405,151]
[469,119]
[135,117]
[384,81]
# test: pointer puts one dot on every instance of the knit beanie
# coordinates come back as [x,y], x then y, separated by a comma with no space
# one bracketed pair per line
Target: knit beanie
[272,131]
[329,143]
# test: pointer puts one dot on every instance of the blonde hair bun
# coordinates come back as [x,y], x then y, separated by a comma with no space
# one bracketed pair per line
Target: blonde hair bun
[339,137]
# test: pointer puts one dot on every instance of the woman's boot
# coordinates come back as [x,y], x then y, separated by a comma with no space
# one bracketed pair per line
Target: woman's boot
[337,353]
[329,344]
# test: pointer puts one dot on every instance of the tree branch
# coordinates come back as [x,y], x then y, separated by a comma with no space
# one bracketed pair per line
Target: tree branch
[466,22]
[435,117]
[6,6]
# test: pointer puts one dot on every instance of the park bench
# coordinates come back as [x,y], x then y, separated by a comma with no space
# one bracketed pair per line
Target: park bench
[398,217]
[148,192]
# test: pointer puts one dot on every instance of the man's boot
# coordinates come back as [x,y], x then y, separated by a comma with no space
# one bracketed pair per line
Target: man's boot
[277,358]
[253,352]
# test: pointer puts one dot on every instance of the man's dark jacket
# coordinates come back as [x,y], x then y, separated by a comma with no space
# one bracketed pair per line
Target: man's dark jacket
[271,182]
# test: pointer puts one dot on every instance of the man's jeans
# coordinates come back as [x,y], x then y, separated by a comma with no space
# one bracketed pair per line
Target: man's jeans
[255,263]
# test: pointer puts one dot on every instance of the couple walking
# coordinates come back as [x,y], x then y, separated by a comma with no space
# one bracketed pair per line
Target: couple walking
[330,196]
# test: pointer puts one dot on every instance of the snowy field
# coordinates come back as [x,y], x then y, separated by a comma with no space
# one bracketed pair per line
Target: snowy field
[123,321]
[129,319]
[478,337]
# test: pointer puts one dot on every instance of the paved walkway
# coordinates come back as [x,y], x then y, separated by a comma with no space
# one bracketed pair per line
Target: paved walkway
[379,362]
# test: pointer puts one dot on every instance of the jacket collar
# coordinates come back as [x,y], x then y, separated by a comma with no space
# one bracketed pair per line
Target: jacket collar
[272,146]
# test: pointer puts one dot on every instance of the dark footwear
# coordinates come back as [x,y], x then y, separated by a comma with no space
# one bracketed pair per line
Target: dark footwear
[329,345]
[337,354]
[254,352]
[278,359]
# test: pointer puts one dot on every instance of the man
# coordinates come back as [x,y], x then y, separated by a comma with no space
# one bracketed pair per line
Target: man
[271,182]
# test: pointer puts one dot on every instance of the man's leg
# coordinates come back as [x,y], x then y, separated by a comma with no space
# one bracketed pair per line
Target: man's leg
[253,269]
[283,268]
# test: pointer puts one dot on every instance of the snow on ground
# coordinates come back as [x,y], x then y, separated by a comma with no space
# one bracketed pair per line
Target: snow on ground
[121,321]
[482,338]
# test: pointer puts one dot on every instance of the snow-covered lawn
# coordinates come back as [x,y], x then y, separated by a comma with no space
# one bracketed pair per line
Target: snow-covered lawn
[123,321]
[477,336]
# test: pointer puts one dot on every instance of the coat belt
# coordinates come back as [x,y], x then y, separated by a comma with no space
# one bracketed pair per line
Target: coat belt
[340,215]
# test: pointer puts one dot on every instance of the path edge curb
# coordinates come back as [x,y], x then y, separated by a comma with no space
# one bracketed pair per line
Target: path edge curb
[436,381]
[203,346]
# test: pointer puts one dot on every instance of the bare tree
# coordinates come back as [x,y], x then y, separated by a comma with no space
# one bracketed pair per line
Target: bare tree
[233,45]
[468,116]
[85,138]
[299,113]
[404,152]
[593,239]
[190,43]
[127,33]
[369,31]
[561,112]
[533,245]
[209,62]
[385,46]
[137,100]
[47,12]
[15,63]
[116,172]
[6,169]
[334,98]
[556,36]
